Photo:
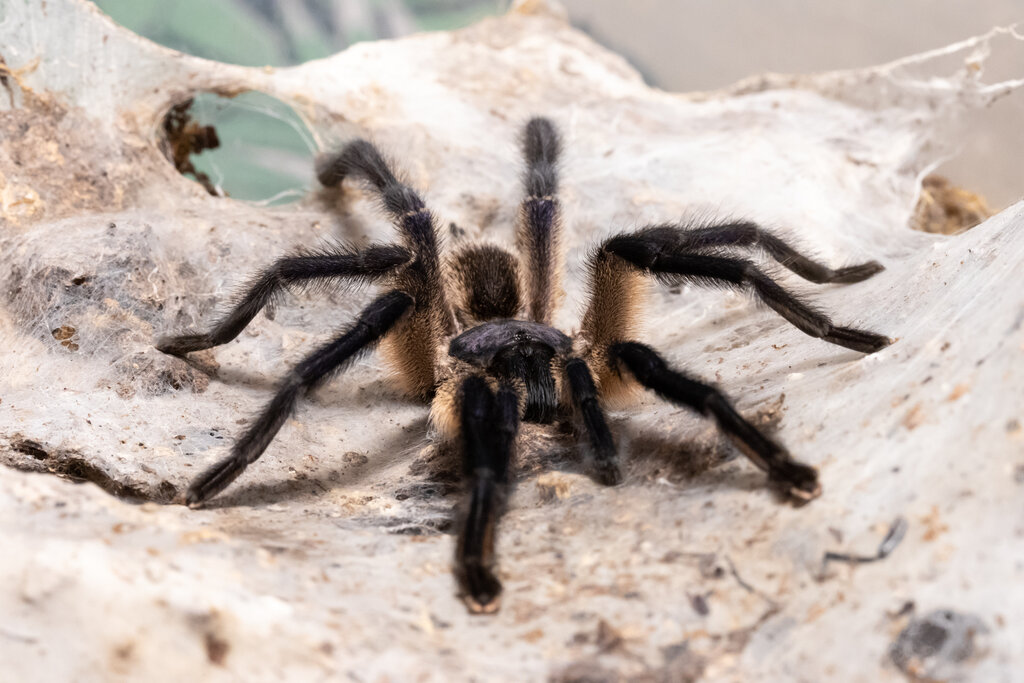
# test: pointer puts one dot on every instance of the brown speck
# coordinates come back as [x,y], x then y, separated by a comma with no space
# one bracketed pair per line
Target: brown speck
[946,209]
[353,458]
[958,391]
[608,638]
[216,648]
[914,417]
[933,525]
[533,636]
[700,605]
[64,332]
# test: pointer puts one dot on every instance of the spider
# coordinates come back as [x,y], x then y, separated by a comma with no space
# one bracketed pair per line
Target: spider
[471,333]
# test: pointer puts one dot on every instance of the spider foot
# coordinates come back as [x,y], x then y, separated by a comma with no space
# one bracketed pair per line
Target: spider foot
[481,589]
[183,344]
[856,273]
[213,481]
[858,340]
[797,480]
[607,473]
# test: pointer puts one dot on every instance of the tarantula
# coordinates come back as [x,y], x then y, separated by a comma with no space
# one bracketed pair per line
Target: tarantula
[471,333]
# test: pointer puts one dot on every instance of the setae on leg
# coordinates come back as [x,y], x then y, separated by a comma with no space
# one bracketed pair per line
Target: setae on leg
[539,224]
[302,268]
[373,323]
[489,425]
[603,453]
[747,234]
[650,254]
[798,480]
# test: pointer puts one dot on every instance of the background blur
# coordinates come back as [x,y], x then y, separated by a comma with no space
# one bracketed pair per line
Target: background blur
[266,153]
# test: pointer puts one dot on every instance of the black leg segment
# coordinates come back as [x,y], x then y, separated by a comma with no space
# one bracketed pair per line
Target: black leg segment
[489,424]
[602,449]
[798,480]
[303,269]
[373,323]
[750,235]
[361,159]
[652,256]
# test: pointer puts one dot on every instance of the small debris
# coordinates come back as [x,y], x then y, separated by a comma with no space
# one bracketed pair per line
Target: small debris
[64,335]
[897,530]
[30,447]
[700,604]
[946,209]
[936,646]
[934,526]
[914,417]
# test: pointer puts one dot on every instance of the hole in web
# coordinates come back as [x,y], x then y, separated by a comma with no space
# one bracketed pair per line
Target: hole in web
[252,146]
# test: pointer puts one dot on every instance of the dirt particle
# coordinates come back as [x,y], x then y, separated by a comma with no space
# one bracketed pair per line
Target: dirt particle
[936,646]
[355,459]
[934,527]
[216,648]
[914,417]
[30,447]
[63,333]
[958,391]
[552,486]
[700,605]
[946,209]
[533,636]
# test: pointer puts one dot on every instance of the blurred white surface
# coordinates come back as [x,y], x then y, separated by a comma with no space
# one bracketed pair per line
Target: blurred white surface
[694,45]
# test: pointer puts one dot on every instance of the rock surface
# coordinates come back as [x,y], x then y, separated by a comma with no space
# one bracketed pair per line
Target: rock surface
[330,559]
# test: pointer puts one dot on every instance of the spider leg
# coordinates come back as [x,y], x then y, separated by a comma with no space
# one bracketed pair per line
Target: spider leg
[651,256]
[422,278]
[361,159]
[302,268]
[373,323]
[539,225]
[490,421]
[603,453]
[798,480]
[748,234]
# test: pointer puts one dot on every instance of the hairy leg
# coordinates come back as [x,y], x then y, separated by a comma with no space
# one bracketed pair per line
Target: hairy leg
[798,480]
[539,227]
[651,256]
[489,424]
[748,234]
[414,347]
[603,453]
[373,323]
[303,268]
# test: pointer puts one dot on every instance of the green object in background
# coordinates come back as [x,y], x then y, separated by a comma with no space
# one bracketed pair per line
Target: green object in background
[266,152]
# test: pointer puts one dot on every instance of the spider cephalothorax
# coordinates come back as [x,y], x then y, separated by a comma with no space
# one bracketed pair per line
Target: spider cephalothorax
[471,333]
